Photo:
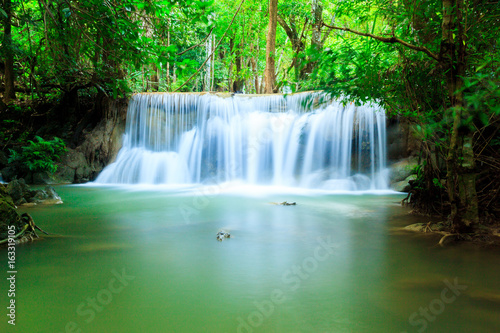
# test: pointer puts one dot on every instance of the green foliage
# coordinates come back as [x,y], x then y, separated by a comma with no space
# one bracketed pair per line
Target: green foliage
[40,155]
[482,90]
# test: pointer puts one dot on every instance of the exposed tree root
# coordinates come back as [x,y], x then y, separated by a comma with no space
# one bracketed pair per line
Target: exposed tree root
[28,231]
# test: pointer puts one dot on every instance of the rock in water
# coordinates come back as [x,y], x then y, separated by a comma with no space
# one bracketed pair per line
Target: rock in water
[222,234]
[22,194]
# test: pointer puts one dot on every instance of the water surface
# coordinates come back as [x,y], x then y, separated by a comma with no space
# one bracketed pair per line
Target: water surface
[332,263]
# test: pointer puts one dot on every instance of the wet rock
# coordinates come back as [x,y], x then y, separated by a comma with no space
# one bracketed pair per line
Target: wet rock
[403,169]
[8,214]
[16,190]
[42,178]
[8,173]
[53,197]
[221,235]
[418,227]
[22,194]
[64,174]
[404,185]
[39,196]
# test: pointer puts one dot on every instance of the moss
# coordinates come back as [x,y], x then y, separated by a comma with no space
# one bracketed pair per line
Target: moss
[8,214]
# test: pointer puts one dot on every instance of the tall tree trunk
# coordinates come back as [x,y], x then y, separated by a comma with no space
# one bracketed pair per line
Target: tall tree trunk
[155,78]
[230,72]
[253,62]
[460,163]
[238,82]
[270,80]
[169,88]
[9,79]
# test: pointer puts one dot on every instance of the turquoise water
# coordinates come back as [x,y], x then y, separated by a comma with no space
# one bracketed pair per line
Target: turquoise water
[147,260]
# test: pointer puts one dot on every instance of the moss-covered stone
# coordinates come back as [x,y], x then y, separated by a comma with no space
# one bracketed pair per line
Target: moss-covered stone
[8,214]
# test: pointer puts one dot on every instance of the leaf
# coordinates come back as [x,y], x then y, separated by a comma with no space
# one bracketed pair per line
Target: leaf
[203,5]
[484,118]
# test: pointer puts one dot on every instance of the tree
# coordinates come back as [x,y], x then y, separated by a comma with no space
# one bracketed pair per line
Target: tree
[8,51]
[269,73]
[460,37]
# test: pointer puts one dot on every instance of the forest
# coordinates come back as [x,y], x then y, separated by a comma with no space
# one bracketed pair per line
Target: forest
[250,165]
[432,64]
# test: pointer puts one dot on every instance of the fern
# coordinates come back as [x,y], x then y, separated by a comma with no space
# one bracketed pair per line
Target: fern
[40,155]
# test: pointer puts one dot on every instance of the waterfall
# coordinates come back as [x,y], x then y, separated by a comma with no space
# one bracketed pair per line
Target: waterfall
[298,140]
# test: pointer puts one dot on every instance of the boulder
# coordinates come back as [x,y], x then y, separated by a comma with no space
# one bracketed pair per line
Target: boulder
[9,173]
[42,178]
[22,194]
[64,174]
[404,185]
[16,190]
[402,169]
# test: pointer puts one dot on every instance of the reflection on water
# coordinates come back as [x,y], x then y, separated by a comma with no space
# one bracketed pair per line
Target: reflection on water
[148,261]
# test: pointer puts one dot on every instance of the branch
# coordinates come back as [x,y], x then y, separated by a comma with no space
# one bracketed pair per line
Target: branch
[50,13]
[392,39]
[215,48]
[192,47]
[289,32]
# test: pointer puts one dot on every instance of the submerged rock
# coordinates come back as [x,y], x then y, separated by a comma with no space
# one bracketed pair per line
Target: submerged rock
[284,203]
[418,227]
[222,234]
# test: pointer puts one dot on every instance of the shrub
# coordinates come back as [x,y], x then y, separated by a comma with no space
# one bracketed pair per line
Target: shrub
[40,155]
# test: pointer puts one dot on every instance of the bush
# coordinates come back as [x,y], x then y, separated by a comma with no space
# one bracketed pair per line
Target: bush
[40,155]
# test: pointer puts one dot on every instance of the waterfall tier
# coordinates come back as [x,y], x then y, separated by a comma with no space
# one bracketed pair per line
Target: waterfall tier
[296,140]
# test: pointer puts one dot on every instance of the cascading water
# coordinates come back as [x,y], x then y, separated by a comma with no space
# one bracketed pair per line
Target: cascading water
[277,140]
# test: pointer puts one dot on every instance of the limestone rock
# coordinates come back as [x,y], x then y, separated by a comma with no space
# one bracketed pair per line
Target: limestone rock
[404,185]
[402,169]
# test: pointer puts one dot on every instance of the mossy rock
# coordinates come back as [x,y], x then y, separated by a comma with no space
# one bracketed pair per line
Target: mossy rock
[404,186]
[402,169]
[8,214]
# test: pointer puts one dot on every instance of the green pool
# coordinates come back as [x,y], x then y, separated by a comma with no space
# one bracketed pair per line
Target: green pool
[147,260]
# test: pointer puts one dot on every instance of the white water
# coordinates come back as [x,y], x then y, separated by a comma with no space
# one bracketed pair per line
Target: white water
[264,140]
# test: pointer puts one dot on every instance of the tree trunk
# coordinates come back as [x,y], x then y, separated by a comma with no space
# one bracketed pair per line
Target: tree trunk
[270,80]
[230,71]
[253,62]
[316,43]
[169,88]
[298,45]
[238,82]
[9,79]
[460,163]
[155,78]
